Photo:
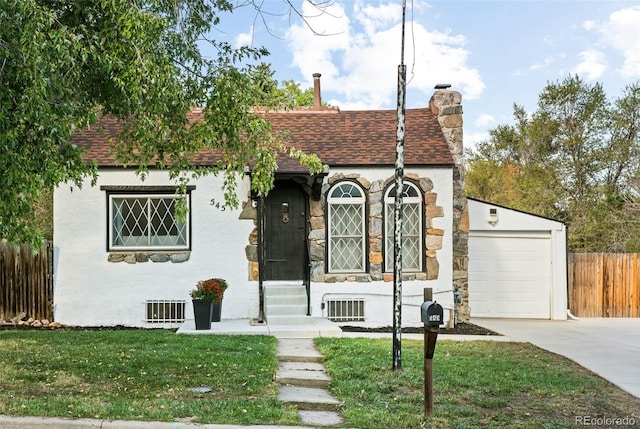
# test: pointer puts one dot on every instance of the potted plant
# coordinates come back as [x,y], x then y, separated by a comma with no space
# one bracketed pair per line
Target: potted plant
[207,301]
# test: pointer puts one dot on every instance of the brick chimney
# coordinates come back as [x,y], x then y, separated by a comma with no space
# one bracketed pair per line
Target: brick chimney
[317,97]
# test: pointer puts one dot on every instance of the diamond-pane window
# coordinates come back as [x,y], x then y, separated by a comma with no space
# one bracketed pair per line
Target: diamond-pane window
[346,231]
[411,228]
[146,222]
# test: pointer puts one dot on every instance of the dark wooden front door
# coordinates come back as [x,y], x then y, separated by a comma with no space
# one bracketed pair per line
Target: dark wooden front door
[285,232]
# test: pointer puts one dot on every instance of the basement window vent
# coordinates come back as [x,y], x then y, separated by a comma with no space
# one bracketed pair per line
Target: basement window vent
[165,311]
[345,310]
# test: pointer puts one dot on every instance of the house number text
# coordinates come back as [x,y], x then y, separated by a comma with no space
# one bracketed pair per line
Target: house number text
[217,204]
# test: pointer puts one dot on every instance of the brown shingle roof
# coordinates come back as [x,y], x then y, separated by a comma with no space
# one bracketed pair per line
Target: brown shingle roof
[339,138]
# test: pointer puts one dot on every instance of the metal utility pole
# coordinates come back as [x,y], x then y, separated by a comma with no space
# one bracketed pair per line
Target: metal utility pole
[397,231]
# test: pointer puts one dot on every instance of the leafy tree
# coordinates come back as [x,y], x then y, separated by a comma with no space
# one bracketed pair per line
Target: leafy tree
[65,62]
[508,170]
[288,95]
[574,159]
[297,96]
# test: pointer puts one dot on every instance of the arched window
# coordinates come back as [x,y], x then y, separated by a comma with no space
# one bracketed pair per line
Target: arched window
[346,228]
[411,228]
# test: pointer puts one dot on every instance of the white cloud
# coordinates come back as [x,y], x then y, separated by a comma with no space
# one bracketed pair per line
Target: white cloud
[471,139]
[545,63]
[376,18]
[484,120]
[360,59]
[314,52]
[592,66]
[244,39]
[441,58]
[588,25]
[622,32]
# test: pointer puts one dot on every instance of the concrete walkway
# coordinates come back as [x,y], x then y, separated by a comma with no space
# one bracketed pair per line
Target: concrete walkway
[312,328]
[304,383]
[7,422]
[609,347]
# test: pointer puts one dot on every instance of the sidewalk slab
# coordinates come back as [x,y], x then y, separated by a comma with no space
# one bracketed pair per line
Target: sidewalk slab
[321,418]
[302,366]
[298,350]
[308,398]
[8,422]
[312,327]
[225,327]
[302,377]
[304,383]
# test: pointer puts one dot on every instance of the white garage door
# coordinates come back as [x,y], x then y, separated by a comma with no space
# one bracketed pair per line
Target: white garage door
[509,276]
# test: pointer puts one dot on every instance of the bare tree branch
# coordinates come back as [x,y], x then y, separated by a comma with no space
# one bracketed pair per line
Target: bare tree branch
[262,12]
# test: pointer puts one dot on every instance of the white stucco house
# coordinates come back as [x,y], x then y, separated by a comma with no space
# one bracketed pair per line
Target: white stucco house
[517,263]
[318,246]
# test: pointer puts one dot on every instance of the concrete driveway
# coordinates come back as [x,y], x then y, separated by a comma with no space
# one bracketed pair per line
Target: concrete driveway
[608,347]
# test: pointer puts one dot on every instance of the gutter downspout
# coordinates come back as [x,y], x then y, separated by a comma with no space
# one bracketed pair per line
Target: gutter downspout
[570,316]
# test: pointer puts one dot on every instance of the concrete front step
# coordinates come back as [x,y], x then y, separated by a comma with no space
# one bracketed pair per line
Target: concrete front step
[276,310]
[285,303]
[289,319]
[274,290]
[300,300]
[308,398]
[284,288]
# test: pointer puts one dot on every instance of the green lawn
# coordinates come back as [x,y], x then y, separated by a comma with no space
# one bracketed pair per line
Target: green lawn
[146,375]
[480,384]
[140,375]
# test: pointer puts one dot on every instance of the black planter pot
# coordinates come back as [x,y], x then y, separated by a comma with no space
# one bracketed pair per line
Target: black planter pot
[202,314]
[216,311]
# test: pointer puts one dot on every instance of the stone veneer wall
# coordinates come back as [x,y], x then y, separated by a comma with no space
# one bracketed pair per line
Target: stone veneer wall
[135,257]
[448,106]
[375,206]
[249,212]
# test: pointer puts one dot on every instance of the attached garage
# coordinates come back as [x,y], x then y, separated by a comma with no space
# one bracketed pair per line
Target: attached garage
[517,264]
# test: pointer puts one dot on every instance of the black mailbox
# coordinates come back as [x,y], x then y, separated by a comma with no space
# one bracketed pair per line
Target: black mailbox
[432,314]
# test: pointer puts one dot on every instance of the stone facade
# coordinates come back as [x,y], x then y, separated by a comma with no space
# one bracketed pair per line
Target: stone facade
[448,106]
[375,205]
[249,212]
[136,257]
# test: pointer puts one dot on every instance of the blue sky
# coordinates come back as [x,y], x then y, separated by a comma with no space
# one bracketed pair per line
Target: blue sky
[494,52]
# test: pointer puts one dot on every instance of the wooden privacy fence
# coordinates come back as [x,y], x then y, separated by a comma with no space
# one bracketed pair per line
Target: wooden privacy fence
[26,281]
[604,284]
